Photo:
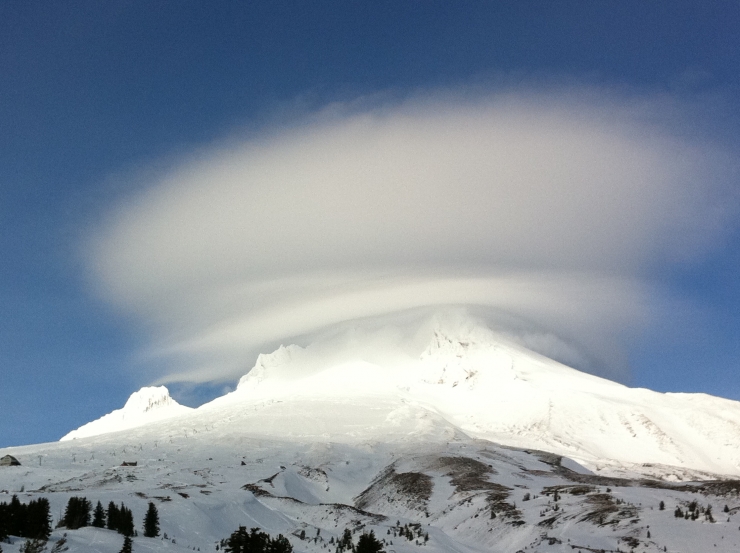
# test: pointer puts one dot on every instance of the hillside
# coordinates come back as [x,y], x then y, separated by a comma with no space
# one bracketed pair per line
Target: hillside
[448,433]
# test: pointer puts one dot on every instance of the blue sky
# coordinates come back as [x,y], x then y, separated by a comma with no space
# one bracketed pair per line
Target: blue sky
[104,105]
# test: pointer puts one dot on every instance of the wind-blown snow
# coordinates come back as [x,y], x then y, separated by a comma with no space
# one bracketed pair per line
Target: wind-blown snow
[147,405]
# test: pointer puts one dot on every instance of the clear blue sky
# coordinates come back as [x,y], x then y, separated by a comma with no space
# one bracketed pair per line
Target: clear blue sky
[90,91]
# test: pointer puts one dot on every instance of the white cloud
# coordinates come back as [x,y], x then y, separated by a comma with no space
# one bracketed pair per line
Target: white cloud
[549,207]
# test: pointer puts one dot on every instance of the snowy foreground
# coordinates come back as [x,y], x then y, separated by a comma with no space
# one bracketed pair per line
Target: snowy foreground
[466,441]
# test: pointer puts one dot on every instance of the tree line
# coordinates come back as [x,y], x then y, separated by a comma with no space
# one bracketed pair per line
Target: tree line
[119,518]
[30,520]
[256,541]
[367,543]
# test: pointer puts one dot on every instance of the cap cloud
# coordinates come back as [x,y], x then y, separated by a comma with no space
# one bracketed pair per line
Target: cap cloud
[552,207]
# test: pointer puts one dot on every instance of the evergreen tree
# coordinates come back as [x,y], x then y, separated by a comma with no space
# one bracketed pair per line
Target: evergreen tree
[345,542]
[120,519]
[99,516]
[4,517]
[238,541]
[368,543]
[77,513]
[255,541]
[25,521]
[151,522]
[125,521]
[16,517]
[113,516]
[38,520]
[280,545]
[127,545]
[258,541]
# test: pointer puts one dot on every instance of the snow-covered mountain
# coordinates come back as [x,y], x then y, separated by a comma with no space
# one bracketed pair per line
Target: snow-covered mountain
[148,405]
[457,370]
[420,492]
[452,375]
[401,432]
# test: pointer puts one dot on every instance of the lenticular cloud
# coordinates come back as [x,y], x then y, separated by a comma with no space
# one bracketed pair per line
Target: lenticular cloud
[547,209]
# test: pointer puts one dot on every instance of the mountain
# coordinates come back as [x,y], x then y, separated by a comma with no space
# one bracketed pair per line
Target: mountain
[421,491]
[441,438]
[452,375]
[145,406]
[487,387]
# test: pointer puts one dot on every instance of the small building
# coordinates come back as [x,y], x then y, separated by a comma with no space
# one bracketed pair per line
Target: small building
[9,461]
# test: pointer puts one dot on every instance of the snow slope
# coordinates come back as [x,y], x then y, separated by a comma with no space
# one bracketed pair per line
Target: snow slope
[466,495]
[147,405]
[452,376]
[455,369]
[396,431]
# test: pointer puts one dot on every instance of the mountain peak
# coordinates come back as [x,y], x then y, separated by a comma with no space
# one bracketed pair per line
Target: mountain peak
[487,386]
[152,403]
[149,398]
[451,374]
